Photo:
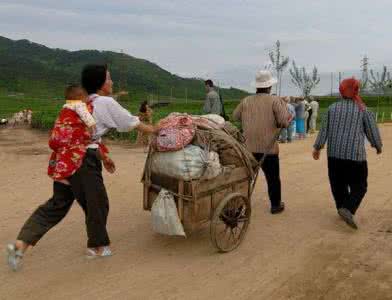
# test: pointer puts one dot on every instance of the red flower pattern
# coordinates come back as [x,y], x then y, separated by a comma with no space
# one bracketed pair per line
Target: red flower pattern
[69,140]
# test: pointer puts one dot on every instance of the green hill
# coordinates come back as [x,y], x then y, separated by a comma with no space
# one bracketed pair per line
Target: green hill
[36,69]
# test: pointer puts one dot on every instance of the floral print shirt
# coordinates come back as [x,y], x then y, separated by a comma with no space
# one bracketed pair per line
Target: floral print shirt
[69,140]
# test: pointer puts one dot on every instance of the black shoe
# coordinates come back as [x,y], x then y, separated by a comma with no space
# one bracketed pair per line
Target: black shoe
[277,209]
[347,217]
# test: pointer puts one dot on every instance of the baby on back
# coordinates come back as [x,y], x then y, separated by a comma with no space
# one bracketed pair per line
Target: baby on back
[71,136]
[76,98]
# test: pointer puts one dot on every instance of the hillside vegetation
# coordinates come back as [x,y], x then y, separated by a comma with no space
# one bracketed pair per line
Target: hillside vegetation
[36,69]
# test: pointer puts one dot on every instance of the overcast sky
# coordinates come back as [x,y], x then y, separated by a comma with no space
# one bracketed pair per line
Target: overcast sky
[214,37]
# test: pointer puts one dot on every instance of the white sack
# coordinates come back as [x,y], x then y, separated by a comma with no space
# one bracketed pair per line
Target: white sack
[164,215]
[189,163]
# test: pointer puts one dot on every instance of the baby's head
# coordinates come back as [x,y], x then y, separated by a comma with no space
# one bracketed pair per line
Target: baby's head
[75,92]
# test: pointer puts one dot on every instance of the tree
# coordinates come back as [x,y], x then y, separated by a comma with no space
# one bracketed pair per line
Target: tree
[279,63]
[380,82]
[303,81]
[365,73]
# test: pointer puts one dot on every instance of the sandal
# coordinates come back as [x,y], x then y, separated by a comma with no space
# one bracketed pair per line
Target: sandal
[92,253]
[14,257]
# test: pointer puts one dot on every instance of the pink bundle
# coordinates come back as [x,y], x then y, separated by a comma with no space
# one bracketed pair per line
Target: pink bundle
[176,132]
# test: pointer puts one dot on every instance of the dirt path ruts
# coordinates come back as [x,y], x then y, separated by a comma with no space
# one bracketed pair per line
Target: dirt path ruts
[305,253]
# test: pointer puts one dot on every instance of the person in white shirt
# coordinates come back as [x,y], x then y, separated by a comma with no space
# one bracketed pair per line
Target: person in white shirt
[86,184]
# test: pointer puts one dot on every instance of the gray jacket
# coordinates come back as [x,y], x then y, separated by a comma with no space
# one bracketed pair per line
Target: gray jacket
[212,104]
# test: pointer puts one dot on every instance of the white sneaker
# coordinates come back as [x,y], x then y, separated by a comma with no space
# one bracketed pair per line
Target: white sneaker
[14,257]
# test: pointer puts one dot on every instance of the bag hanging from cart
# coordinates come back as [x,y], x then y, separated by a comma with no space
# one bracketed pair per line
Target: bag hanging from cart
[165,219]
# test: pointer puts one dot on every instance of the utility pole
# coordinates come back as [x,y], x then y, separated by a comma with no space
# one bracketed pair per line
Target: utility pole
[331,84]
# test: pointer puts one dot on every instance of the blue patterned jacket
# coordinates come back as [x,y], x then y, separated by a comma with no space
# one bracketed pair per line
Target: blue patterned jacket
[344,129]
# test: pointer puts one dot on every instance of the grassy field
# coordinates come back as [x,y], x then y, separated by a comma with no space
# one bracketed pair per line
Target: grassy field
[45,109]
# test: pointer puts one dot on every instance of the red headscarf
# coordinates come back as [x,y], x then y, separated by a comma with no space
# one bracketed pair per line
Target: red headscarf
[349,89]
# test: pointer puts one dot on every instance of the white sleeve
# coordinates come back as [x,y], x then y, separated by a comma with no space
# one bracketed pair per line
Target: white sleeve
[84,114]
[118,117]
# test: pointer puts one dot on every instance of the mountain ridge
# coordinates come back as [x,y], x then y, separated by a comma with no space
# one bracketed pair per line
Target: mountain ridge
[31,67]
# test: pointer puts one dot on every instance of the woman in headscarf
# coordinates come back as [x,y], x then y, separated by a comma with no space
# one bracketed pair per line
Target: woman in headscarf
[345,127]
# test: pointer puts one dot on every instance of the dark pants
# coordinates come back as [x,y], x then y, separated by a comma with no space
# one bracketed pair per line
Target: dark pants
[308,121]
[348,181]
[89,190]
[271,171]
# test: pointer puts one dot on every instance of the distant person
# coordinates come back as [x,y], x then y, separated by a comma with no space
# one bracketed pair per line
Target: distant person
[212,104]
[308,114]
[300,117]
[283,131]
[86,184]
[262,115]
[313,119]
[291,128]
[287,134]
[145,116]
[344,128]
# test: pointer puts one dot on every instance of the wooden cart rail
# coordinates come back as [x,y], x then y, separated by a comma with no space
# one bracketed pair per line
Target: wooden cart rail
[194,189]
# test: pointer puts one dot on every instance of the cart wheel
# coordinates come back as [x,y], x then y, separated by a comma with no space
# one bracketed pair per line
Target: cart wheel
[230,222]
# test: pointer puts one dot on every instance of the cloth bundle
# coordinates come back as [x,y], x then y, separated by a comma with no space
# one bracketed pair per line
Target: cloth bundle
[231,151]
[196,147]
[176,132]
[188,164]
[209,121]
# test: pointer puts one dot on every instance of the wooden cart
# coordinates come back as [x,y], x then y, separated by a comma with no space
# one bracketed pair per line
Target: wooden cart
[223,201]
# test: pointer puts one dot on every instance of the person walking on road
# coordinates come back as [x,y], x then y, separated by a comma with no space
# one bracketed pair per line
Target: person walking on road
[344,128]
[308,115]
[145,116]
[313,118]
[212,103]
[287,134]
[262,115]
[300,118]
[86,184]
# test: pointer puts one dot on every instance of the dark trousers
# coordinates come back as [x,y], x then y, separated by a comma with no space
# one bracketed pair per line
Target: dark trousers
[271,171]
[348,181]
[89,190]
[308,120]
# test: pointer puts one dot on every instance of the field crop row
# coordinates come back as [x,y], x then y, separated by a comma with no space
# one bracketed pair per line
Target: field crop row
[45,111]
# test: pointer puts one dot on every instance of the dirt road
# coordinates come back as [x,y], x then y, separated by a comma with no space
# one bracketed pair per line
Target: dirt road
[305,253]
